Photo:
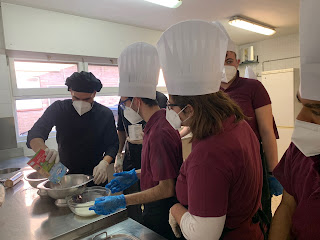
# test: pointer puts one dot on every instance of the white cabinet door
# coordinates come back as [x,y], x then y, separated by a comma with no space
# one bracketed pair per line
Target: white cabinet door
[280,86]
[284,141]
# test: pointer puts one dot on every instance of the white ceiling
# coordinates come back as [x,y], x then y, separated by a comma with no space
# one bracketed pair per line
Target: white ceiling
[282,14]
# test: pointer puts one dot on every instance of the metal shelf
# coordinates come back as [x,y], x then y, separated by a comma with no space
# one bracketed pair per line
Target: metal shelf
[249,62]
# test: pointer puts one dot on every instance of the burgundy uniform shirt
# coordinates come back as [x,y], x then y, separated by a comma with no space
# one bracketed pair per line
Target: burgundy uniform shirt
[250,94]
[223,176]
[299,177]
[161,156]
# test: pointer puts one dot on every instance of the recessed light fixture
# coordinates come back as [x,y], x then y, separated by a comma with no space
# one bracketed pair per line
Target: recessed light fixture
[167,3]
[251,26]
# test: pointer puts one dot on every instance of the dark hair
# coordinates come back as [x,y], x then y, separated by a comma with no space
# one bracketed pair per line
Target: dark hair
[210,111]
[148,101]
[83,82]
[232,52]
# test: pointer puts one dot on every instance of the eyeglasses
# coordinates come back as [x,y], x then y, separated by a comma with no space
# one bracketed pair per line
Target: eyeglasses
[122,104]
[170,105]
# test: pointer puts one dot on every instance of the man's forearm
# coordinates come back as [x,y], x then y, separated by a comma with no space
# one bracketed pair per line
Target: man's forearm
[270,148]
[282,220]
[185,131]
[108,158]
[177,212]
[138,172]
[164,189]
[281,224]
[122,139]
[37,144]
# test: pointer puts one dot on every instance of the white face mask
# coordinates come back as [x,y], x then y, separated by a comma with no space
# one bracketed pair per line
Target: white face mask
[173,118]
[82,107]
[229,72]
[132,116]
[306,136]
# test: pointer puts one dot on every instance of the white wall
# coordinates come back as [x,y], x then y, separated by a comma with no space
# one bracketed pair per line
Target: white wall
[35,30]
[274,49]
[31,29]
[5,87]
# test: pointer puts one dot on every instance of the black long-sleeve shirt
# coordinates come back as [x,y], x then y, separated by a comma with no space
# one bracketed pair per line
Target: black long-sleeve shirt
[84,140]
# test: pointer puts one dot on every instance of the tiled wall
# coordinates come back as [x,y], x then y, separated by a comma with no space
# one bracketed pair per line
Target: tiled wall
[275,54]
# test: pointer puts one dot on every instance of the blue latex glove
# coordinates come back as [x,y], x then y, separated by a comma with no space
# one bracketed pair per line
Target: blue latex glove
[122,181]
[109,204]
[275,186]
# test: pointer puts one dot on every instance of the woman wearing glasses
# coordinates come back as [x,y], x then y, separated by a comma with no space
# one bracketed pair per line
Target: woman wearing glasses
[219,185]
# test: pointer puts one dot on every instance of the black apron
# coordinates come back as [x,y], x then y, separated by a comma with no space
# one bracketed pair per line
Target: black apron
[156,217]
[132,159]
[260,218]
[266,194]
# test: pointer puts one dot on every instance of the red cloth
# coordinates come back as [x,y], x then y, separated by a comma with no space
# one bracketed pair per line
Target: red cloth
[223,176]
[161,155]
[299,176]
[250,94]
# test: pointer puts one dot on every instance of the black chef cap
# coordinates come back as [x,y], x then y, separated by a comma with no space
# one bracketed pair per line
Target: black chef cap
[83,82]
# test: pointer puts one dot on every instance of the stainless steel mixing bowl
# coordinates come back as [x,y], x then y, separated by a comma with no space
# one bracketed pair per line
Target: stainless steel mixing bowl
[34,178]
[70,184]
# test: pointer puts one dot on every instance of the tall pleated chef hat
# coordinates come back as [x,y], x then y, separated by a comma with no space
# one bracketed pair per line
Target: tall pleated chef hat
[249,73]
[139,69]
[192,55]
[231,47]
[309,49]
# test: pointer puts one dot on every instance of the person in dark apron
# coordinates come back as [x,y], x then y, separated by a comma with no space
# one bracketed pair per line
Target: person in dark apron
[221,179]
[255,102]
[297,216]
[132,154]
[161,154]
[86,144]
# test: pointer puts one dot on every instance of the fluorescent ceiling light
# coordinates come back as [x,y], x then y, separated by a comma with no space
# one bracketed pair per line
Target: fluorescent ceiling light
[251,26]
[167,3]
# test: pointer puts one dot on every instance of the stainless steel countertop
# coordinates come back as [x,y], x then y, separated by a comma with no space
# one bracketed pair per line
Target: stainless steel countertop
[24,215]
[129,227]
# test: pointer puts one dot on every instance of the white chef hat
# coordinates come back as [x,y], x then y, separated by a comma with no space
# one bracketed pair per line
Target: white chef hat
[192,55]
[309,49]
[249,73]
[139,69]
[231,45]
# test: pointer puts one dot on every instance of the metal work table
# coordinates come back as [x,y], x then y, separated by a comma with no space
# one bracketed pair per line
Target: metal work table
[24,215]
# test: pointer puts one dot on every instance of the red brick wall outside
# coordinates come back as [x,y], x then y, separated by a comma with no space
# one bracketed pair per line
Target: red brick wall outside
[108,75]
[57,78]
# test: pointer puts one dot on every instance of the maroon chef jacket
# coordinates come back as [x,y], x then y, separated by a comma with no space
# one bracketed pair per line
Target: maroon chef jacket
[250,94]
[223,176]
[161,155]
[299,176]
